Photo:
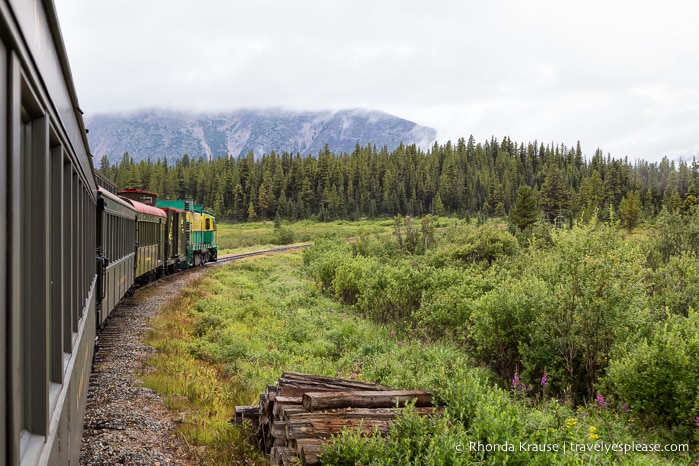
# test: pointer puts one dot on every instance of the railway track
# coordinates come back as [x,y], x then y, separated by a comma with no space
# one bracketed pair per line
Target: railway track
[234,257]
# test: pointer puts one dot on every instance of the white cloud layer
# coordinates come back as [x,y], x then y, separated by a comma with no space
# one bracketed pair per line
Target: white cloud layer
[621,75]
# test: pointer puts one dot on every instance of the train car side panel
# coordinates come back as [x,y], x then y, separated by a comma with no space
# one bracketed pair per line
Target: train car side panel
[150,230]
[4,252]
[116,242]
[47,321]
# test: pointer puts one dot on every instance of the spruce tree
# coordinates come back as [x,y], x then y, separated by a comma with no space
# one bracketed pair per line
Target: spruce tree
[629,210]
[554,195]
[526,210]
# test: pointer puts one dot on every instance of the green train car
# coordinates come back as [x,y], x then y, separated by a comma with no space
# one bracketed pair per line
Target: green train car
[199,230]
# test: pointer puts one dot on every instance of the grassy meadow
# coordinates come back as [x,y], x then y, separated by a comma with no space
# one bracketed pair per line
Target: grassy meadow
[254,236]
[471,313]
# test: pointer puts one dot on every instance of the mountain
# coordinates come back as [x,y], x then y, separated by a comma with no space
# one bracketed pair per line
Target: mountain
[159,133]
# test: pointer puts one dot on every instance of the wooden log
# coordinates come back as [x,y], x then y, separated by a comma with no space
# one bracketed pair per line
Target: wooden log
[311,378]
[280,442]
[359,413]
[286,411]
[289,400]
[270,395]
[263,404]
[289,457]
[279,429]
[283,409]
[296,384]
[301,443]
[325,424]
[313,401]
[275,456]
[246,412]
[298,444]
[310,454]
[326,428]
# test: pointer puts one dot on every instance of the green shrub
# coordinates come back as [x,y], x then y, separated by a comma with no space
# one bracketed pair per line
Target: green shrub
[447,304]
[394,293]
[283,236]
[473,245]
[597,299]
[502,320]
[657,376]
[380,247]
[206,323]
[674,285]
[351,277]
[322,259]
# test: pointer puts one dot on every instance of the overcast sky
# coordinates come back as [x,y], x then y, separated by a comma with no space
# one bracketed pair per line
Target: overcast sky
[619,75]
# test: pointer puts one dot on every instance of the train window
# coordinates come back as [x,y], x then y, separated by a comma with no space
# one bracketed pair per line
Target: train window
[68,298]
[56,243]
[208,223]
[34,268]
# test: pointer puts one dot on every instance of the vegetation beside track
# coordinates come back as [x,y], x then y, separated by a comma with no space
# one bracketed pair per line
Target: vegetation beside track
[237,329]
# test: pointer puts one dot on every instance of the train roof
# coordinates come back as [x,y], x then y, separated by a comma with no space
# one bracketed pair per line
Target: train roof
[179,204]
[142,208]
[173,209]
[114,198]
[140,195]
[139,191]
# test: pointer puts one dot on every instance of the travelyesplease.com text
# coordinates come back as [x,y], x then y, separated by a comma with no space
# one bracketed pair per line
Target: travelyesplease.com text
[572,447]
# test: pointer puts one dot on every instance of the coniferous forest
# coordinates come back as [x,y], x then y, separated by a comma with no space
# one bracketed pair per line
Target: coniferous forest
[468,179]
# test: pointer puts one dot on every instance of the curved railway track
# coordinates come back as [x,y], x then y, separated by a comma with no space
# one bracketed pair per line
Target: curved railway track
[234,257]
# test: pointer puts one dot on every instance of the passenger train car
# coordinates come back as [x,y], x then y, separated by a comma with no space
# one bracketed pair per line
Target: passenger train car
[48,240]
[73,247]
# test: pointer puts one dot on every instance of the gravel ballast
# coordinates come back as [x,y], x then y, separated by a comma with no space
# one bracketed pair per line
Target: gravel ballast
[125,422]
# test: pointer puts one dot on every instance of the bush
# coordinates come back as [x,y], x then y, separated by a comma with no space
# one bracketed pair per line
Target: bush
[322,259]
[502,322]
[473,245]
[447,304]
[283,236]
[394,293]
[597,299]
[657,376]
[674,285]
[351,277]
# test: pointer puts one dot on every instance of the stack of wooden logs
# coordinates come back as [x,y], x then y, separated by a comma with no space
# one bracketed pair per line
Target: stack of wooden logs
[302,412]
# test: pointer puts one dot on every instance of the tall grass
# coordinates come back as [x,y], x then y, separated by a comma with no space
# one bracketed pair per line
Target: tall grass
[242,237]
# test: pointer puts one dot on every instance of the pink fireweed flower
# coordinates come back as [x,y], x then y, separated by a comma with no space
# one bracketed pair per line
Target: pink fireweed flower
[518,387]
[393,334]
[544,381]
[696,421]
[600,401]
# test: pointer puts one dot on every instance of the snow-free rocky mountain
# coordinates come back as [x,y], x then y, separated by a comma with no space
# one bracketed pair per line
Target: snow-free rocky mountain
[163,133]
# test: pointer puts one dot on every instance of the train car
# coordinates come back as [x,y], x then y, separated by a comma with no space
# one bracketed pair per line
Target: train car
[175,240]
[150,241]
[200,228]
[139,195]
[116,257]
[208,235]
[47,241]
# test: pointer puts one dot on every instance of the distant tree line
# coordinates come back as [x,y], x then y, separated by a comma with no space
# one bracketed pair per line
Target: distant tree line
[490,179]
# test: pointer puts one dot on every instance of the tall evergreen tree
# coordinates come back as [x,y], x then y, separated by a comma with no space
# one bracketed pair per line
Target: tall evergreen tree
[629,210]
[526,210]
[554,195]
